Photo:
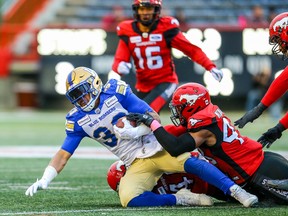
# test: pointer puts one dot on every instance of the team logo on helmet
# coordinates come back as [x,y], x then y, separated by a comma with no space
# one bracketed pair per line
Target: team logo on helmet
[193,122]
[190,99]
[283,23]
[119,166]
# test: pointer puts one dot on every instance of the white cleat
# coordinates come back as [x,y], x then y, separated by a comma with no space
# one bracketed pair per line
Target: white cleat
[278,184]
[186,197]
[243,196]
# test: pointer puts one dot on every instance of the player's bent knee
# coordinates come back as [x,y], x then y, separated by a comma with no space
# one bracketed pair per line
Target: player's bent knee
[125,197]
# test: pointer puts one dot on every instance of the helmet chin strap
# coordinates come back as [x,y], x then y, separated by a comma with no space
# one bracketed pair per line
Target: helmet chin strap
[146,23]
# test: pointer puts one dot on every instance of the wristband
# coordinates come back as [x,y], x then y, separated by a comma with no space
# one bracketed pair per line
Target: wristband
[261,107]
[155,125]
[280,127]
[49,174]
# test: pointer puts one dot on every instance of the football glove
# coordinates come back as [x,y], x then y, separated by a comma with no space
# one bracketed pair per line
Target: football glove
[250,116]
[271,135]
[113,75]
[217,74]
[38,185]
[140,118]
[130,132]
[124,67]
[49,174]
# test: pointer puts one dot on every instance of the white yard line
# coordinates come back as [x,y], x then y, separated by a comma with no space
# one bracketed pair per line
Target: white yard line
[104,211]
[48,152]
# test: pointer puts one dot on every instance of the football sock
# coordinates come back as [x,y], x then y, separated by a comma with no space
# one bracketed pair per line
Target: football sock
[151,199]
[208,173]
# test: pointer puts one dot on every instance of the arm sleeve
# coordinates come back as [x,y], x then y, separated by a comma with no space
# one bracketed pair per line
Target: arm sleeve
[175,146]
[71,143]
[176,131]
[181,43]
[139,106]
[277,88]
[122,54]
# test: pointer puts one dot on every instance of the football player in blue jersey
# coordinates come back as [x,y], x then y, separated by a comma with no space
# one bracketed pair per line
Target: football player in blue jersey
[97,110]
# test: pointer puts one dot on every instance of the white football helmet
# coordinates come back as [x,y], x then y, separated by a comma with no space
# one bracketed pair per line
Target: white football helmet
[80,82]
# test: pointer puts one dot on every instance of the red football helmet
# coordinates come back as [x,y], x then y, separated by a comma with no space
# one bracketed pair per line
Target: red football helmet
[115,173]
[278,35]
[147,3]
[187,100]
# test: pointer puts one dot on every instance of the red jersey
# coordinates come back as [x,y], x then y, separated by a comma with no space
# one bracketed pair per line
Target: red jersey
[171,183]
[277,88]
[151,52]
[235,155]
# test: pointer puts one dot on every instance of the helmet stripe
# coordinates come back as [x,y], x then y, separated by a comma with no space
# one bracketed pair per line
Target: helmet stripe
[69,79]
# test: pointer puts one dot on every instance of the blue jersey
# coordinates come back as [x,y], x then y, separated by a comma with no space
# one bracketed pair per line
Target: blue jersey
[116,100]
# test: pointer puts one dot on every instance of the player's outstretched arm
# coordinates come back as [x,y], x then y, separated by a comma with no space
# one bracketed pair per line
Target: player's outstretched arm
[55,166]
[250,116]
[49,174]
[269,137]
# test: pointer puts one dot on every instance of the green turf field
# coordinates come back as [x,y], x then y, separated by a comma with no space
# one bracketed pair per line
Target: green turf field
[81,188]
[48,128]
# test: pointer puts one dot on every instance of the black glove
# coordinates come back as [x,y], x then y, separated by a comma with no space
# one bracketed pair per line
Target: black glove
[271,135]
[250,116]
[140,118]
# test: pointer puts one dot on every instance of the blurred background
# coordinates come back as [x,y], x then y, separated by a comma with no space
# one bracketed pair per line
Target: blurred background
[43,40]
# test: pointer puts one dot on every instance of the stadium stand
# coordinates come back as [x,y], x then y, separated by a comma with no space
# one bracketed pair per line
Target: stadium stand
[21,19]
[197,12]
[212,13]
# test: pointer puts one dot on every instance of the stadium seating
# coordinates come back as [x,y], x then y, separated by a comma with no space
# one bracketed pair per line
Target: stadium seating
[198,12]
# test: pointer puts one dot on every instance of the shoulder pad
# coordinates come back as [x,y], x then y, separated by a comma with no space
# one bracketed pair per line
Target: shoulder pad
[205,117]
[116,86]
[169,22]
[124,26]
[72,111]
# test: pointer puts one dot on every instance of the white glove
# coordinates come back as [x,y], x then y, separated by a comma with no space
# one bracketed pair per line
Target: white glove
[49,174]
[38,185]
[217,74]
[130,132]
[113,75]
[124,67]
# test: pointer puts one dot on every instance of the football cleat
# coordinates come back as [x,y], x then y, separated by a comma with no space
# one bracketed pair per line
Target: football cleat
[243,196]
[278,184]
[186,197]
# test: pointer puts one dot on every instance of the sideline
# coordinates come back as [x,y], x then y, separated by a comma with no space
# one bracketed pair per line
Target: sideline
[48,152]
[81,152]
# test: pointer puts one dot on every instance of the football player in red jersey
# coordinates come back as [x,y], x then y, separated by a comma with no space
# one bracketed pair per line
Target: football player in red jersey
[278,31]
[200,124]
[169,183]
[278,37]
[149,39]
